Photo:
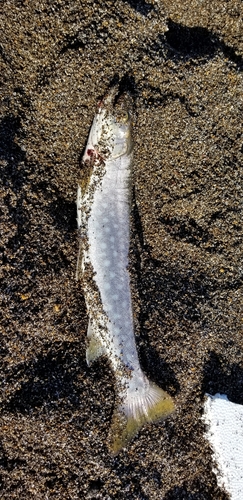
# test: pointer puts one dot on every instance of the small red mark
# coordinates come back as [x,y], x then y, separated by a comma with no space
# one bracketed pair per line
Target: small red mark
[100,103]
[92,155]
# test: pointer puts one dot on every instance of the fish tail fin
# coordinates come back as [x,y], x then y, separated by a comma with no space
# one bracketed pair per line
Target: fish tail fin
[137,406]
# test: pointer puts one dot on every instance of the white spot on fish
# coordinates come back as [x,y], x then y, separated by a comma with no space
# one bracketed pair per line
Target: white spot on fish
[116,316]
[107,262]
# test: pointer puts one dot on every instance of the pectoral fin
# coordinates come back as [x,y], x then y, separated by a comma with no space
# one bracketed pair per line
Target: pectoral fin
[79,262]
[79,221]
[79,205]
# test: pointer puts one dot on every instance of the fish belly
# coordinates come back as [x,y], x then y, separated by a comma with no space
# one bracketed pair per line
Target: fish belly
[108,237]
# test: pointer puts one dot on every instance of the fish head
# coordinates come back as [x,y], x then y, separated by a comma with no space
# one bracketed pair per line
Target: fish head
[122,126]
[111,131]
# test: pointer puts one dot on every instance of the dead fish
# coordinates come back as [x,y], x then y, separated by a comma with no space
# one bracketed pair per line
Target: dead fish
[103,203]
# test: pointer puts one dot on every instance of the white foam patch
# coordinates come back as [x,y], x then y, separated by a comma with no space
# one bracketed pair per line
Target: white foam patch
[225,434]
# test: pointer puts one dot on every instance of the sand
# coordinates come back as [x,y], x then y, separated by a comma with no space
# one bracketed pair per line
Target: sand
[184,62]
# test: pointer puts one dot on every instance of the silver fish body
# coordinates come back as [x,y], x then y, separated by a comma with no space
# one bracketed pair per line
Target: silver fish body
[103,219]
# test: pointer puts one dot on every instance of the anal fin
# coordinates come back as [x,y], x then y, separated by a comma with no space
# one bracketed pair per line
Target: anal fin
[95,348]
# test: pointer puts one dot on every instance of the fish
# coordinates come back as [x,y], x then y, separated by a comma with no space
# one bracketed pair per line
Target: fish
[103,215]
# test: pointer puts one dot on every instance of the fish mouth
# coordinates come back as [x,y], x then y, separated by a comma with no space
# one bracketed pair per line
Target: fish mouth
[118,103]
[112,135]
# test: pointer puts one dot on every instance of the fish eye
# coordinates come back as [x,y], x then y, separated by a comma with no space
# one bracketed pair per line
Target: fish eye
[122,116]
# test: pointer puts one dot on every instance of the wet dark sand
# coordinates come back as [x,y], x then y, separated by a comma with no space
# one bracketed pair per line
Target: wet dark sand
[185,64]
